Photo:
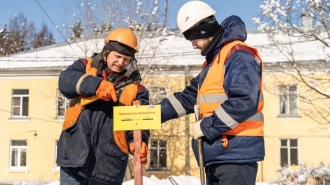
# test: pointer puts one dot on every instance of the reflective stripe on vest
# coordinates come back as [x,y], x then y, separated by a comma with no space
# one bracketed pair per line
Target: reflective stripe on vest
[211,95]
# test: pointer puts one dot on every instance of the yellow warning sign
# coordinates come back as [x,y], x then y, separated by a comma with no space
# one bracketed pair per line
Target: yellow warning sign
[137,117]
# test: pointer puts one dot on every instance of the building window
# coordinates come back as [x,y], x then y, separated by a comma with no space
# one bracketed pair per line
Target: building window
[61,104]
[18,152]
[288,100]
[158,155]
[157,94]
[289,152]
[20,103]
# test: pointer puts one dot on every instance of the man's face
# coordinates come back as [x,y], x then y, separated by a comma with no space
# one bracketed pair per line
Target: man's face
[117,62]
[201,44]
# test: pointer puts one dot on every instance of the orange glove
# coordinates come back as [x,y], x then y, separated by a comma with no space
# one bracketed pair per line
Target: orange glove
[143,151]
[106,91]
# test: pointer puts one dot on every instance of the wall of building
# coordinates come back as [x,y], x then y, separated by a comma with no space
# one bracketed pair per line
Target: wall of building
[312,137]
[41,129]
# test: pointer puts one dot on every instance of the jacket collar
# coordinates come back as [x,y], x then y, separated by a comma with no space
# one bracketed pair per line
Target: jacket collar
[233,29]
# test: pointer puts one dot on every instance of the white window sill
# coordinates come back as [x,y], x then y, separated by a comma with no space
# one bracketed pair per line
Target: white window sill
[283,116]
[17,170]
[55,170]
[59,119]
[19,119]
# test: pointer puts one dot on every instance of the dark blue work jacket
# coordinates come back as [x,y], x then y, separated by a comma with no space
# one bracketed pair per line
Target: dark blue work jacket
[89,145]
[242,87]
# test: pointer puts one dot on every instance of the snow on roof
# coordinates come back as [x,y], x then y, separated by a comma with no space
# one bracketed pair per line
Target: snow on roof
[55,55]
[294,48]
[164,50]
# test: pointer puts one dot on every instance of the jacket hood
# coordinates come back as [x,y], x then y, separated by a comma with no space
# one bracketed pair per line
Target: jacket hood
[234,29]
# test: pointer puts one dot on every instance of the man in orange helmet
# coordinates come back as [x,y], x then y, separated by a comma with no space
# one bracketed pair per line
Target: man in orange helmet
[89,151]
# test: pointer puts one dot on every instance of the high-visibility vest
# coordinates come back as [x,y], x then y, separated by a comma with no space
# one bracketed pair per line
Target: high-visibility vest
[211,94]
[127,97]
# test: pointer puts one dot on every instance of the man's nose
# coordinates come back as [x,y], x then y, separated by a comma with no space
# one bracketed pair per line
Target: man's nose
[193,43]
[121,62]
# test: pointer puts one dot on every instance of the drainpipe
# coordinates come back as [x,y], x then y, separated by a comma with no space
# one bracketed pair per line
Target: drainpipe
[186,72]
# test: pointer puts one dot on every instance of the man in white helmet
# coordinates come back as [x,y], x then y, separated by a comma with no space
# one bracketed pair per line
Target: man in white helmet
[228,91]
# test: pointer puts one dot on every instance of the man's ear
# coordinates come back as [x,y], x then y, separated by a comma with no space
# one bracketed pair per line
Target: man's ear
[105,55]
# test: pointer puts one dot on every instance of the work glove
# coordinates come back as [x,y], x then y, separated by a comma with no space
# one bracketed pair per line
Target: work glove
[143,152]
[144,145]
[106,91]
[197,131]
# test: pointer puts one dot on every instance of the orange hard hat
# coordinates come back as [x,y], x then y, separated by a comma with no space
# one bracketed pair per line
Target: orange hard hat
[124,36]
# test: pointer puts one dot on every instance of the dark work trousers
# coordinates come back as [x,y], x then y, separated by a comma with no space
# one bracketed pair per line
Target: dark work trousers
[71,176]
[231,174]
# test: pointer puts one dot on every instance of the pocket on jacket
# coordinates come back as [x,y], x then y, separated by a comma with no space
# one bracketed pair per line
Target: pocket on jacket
[69,140]
[211,150]
[114,151]
[66,144]
[114,162]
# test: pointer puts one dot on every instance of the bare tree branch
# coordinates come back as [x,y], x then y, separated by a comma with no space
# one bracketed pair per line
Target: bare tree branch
[300,32]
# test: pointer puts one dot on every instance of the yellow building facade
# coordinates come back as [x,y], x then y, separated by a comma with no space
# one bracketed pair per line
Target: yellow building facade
[31,128]
[32,112]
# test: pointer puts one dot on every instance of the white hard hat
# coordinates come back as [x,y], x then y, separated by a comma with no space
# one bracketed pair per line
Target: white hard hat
[192,13]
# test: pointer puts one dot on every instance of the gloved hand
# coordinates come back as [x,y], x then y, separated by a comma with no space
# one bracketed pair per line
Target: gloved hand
[106,91]
[143,152]
[196,128]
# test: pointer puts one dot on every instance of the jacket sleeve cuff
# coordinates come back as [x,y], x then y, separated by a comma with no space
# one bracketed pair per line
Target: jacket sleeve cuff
[207,129]
[130,138]
[145,136]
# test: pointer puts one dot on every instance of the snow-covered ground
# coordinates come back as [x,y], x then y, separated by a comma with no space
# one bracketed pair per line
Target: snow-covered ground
[176,180]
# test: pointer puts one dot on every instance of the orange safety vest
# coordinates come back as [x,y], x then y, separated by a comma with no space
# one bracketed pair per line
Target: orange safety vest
[211,94]
[127,97]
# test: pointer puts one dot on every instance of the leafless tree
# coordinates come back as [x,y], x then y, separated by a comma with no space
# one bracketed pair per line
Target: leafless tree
[20,35]
[300,32]
[97,17]
[44,37]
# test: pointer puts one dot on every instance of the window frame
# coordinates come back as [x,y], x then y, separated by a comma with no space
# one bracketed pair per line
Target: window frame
[158,148]
[18,167]
[65,104]
[21,107]
[288,150]
[288,95]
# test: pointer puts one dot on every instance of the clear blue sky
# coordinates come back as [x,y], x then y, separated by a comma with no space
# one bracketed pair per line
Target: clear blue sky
[246,9]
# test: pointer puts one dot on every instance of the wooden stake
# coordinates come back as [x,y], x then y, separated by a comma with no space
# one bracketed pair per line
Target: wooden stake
[200,149]
[137,134]
[201,160]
